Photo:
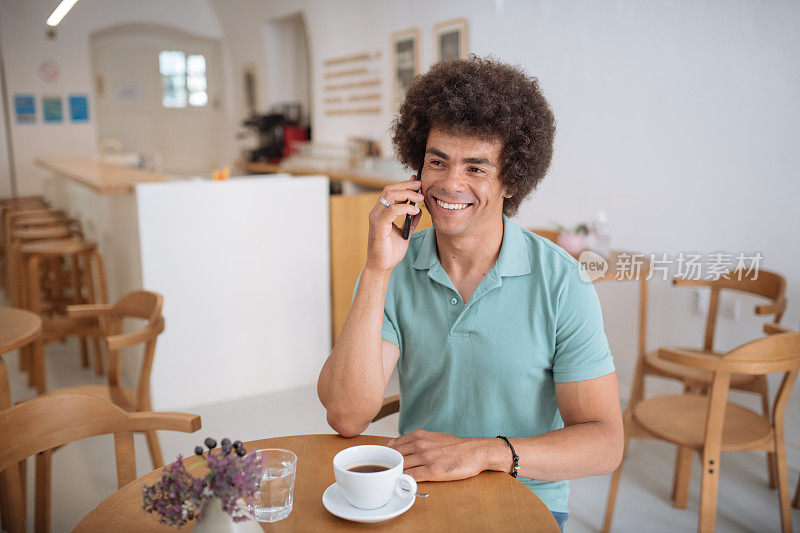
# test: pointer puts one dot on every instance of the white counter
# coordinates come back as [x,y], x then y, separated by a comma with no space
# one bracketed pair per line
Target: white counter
[244,268]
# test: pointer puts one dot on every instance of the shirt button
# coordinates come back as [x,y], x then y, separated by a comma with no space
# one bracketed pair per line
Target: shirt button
[454,301]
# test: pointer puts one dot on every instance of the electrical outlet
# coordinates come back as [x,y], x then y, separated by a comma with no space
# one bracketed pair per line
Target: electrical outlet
[700,300]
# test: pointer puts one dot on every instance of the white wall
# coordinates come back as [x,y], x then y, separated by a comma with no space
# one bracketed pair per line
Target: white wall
[288,68]
[678,118]
[25,47]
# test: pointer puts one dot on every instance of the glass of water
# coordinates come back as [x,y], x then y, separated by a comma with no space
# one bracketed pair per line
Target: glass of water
[273,500]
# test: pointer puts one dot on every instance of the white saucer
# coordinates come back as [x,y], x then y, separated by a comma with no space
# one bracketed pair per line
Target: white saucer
[335,502]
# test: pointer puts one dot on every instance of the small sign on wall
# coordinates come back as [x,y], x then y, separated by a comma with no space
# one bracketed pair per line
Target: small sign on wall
[25,108]
[52,109]
[79,108]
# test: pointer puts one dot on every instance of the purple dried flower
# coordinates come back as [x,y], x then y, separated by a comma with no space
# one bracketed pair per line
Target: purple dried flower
[178,496]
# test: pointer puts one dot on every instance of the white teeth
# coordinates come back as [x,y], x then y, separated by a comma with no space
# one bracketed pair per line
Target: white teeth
[451,206]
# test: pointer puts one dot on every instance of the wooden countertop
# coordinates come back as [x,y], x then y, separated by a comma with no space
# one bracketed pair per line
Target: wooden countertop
[333,175]
[103,178]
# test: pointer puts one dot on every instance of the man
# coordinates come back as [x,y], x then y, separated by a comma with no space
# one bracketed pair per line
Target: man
[491,328]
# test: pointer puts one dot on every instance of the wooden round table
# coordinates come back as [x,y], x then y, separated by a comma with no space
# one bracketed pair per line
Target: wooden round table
[490,501]
[17,329]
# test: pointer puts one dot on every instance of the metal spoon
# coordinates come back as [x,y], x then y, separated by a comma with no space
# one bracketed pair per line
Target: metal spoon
[423,494]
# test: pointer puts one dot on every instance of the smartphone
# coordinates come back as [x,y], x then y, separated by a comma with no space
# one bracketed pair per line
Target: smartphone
[407,223]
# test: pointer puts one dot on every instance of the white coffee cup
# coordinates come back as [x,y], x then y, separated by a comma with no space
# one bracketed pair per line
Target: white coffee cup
[373,489]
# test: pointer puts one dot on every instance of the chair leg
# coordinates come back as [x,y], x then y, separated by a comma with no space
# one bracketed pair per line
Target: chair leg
[708,495]
[155,449]
[762,384]
[683,476]
[683,468]
[13,500]
[38,366]
[612,498]
[611,502]
[782,473]
[98,356]
[84,352]
[23,479]
[43,488]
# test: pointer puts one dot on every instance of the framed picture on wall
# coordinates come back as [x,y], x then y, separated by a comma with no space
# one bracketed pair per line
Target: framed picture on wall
[450,39]
[405,62]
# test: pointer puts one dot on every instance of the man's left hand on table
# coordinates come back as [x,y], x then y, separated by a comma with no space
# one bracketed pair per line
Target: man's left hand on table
[433,456]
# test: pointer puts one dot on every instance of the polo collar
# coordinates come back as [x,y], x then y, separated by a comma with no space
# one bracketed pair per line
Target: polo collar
[512,261]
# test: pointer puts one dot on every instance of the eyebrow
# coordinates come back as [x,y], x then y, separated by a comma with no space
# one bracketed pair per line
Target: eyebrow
[470,160]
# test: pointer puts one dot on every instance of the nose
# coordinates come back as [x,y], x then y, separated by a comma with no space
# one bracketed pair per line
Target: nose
[453,180]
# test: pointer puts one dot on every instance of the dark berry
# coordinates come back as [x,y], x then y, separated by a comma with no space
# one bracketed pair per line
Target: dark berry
[210,443]
[240,451]
[237,444]
[226,449]
[226,442]
[198,450]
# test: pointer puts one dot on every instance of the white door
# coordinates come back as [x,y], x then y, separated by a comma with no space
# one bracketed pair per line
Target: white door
[154,98]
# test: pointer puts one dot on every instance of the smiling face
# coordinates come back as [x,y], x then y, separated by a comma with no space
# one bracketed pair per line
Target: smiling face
[461,183]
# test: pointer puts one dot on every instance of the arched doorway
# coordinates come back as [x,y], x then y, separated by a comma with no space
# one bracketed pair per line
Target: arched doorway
[158,92]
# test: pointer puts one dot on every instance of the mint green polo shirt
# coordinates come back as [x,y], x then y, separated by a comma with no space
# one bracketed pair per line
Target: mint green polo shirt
[489,366]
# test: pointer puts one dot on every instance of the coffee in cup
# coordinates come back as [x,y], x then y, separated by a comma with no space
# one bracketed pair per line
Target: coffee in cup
[369,475]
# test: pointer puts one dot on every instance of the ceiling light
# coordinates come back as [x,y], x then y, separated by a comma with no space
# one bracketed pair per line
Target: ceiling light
[60,12]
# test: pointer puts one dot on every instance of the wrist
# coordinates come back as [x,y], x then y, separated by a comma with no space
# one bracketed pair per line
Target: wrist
[377,274]
[497,456]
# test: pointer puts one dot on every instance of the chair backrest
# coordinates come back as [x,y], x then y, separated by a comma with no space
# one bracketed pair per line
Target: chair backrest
[51,421]
[764,283]
[551,234]
[144,305]
[779,353]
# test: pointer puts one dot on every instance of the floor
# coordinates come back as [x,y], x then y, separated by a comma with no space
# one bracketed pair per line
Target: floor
[84,474]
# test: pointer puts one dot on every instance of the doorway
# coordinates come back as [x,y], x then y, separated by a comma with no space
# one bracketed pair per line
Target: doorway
[158,92]
[288,76]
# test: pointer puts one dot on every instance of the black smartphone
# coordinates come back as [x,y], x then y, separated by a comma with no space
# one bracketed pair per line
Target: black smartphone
[407,223]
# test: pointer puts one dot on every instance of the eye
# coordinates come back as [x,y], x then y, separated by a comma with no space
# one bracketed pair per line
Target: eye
[435,162]
[475,169]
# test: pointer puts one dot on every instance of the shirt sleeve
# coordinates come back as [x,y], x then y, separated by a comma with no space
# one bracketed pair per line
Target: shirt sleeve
[388,331]
[581,351]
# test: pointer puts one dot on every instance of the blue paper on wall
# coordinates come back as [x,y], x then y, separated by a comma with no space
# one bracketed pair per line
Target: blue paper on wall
[52,110]
[79,108]
[25,108]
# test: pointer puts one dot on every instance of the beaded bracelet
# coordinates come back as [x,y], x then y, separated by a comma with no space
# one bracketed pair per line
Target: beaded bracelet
[514,456]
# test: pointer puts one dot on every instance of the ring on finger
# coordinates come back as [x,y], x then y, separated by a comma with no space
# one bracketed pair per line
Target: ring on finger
[385,202]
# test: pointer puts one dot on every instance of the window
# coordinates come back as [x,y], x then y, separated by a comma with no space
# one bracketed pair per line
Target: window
[183,79]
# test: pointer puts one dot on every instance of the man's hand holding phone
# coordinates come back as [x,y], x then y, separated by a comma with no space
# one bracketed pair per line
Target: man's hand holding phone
[386,246]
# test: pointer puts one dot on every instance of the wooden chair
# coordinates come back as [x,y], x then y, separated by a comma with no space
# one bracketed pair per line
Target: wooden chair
[763,283]
[551,234]
[391,405]
[772,328]
[108,321]
[18,328]
[709,424]
[37,426]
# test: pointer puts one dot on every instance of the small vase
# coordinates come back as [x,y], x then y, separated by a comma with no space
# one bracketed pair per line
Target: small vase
[573,243]
[213,519]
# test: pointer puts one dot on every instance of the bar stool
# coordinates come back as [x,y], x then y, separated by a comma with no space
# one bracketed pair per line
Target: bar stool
[84,264]
[18,238]
[11,217]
